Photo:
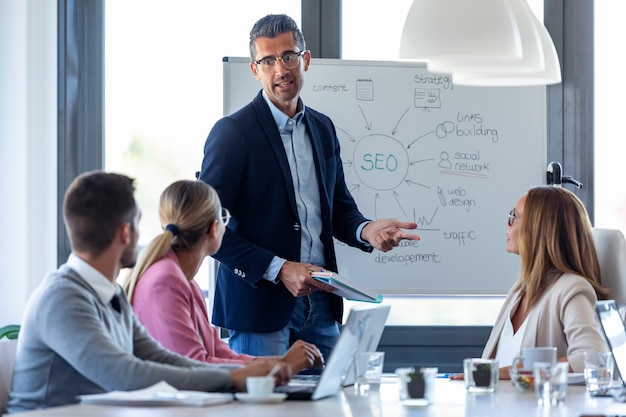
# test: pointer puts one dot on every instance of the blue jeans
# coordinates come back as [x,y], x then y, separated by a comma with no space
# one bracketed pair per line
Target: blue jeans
[311,321]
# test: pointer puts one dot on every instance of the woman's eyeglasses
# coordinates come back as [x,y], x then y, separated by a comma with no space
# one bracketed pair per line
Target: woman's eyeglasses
[225,216]
[512,218]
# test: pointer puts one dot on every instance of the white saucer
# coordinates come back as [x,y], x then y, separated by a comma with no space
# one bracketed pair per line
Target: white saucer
[276,397]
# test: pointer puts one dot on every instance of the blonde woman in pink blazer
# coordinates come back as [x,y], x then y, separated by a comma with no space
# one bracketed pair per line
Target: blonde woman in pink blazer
[162,289]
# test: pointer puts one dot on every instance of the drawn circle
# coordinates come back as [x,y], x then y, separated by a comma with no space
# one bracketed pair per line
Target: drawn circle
[381,162]
[444,128]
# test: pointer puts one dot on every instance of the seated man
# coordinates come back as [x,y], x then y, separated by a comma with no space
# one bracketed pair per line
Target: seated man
[79,334]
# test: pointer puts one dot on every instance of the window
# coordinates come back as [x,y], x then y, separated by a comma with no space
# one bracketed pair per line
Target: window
[164,87]
[610,194]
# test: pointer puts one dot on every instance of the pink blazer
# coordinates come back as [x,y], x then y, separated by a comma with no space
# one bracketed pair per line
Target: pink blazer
[174,311]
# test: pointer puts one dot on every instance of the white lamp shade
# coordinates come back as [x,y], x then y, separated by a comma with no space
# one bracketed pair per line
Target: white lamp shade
[507,76]
[531,60]
[455,29]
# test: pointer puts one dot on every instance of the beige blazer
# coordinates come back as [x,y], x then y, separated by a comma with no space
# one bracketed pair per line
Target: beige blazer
[564,317]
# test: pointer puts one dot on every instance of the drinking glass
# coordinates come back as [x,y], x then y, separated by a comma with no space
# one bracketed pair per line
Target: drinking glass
[598,372]
[369,369]
[550,382]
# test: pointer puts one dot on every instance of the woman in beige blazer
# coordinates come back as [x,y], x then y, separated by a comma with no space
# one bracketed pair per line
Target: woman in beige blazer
[553,301]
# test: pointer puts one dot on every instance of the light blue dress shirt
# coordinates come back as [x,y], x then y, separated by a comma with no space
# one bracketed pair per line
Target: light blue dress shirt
[299,152]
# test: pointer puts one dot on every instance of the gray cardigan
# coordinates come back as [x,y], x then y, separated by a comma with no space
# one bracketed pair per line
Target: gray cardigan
[72,344]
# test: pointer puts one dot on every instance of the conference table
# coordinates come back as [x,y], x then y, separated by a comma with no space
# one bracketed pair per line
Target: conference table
[450,399]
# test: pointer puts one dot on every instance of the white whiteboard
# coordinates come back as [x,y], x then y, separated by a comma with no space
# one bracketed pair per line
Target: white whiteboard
[414,146]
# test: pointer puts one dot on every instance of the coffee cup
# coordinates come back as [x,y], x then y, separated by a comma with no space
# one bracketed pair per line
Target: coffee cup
[260,386]
[536,354]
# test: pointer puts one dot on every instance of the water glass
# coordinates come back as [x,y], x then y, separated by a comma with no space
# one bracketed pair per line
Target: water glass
[369,369]
[598,372]
[481,375]
[550,382]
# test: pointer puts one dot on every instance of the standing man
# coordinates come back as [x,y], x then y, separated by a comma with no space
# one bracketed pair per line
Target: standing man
[276,165]
[79,334]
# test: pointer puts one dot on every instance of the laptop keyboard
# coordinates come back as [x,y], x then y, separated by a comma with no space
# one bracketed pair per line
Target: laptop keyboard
[287,389]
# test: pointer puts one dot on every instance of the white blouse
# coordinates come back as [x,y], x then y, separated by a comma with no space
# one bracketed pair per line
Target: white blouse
[510,344]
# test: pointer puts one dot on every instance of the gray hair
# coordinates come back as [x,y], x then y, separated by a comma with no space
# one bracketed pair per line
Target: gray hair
[273,25]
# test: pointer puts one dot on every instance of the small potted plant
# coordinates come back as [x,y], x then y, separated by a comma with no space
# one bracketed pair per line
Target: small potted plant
[482,375]
[416,385]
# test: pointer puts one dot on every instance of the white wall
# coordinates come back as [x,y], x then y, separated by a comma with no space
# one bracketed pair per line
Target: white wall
[28,150]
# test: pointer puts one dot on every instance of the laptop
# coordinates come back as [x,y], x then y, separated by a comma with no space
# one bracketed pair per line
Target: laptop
[370,339]
[615,334]
[331,379]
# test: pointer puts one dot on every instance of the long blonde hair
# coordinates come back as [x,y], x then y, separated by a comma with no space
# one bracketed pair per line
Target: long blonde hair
[186,211]
[554,238]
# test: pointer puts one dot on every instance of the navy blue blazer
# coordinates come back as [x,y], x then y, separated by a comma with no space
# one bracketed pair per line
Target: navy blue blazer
[245,161]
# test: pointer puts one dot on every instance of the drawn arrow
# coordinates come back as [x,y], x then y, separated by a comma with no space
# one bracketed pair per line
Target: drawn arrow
[396,195]
[425,134]
[376,198]
[356,187]
[349,163]
[409,182]
[368,125]
[395,129]
[347,134]
[420,161]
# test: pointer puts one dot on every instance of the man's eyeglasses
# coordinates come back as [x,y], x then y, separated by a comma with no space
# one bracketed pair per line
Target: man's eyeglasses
[289,60]
[512,218]
[225,216]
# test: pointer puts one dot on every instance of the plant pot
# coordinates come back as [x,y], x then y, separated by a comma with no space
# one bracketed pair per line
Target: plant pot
[482,377]
[416,388]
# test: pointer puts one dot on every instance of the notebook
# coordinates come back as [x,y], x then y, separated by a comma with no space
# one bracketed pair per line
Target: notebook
[332,376]
[615,334]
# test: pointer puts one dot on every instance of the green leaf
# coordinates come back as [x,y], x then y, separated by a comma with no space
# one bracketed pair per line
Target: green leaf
[10,331]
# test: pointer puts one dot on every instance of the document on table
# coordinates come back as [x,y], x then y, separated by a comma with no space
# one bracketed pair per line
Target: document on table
[346,288]
[159,394]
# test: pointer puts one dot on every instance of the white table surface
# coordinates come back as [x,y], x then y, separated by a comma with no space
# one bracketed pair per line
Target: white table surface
[450,399]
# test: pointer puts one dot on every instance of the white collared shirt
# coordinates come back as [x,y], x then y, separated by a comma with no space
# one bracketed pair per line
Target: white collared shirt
[101,285]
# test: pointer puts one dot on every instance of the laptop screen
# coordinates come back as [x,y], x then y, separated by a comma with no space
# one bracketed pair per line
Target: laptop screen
[614,331]
[370,338]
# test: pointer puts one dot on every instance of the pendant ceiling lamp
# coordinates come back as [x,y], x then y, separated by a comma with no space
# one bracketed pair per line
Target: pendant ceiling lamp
[551,74]
[538,66]
[460,29]
[530,59]
[536,63]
